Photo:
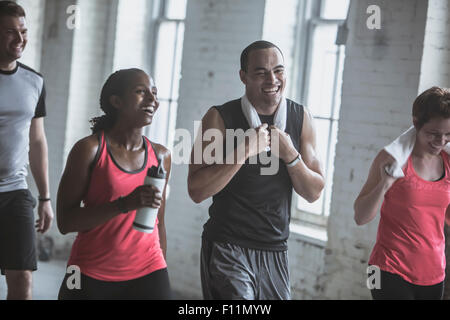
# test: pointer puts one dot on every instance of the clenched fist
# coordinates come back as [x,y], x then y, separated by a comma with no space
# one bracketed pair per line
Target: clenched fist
[282,146]
[143,196]
[259,140]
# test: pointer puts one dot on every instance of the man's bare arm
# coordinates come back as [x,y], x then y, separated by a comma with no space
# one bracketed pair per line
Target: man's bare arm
[205,180]
[307,175]
[38,156]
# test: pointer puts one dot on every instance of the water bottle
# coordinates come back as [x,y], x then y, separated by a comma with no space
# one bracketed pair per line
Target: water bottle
[146,217]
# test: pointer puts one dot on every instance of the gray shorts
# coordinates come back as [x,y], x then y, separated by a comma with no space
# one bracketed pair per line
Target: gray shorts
[230,272]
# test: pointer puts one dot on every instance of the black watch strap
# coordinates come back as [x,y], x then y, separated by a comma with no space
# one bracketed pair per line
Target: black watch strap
[122,205]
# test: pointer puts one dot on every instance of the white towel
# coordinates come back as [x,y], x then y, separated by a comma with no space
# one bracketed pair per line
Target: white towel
[253,119]
[400,149]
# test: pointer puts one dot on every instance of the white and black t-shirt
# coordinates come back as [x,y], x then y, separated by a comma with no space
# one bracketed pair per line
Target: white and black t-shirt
[22,98]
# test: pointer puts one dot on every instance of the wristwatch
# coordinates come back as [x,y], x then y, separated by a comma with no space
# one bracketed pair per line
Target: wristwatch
[294,162]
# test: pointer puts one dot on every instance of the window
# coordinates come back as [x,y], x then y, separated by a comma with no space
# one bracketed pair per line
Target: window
[321,60]
[166,66]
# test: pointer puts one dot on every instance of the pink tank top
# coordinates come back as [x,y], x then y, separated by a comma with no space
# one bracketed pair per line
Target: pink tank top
[410,240]
[115,251]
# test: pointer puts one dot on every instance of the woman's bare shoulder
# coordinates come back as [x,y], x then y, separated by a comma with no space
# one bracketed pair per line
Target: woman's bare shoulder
[161,150]
[86,147]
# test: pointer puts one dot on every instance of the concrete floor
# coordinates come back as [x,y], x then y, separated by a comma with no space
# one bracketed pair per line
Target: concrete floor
[46,280]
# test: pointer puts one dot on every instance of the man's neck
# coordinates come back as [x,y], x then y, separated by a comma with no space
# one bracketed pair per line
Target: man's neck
[264,110]
[8,66]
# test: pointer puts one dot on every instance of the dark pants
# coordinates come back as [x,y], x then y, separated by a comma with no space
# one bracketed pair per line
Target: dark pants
[17,231]
[230,272]
[154,286]
[394,287]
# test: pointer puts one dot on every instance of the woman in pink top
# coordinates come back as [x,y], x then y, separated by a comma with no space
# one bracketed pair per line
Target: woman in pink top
[105,172]
[409,251]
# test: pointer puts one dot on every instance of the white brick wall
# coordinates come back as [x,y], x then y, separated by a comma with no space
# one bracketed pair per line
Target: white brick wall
[56,60]
[131,35]
[92,62]
[34,10]
[381,80]
[282,34]
[436,58]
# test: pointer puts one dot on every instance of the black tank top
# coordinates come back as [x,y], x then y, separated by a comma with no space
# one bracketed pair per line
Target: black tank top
[253,210]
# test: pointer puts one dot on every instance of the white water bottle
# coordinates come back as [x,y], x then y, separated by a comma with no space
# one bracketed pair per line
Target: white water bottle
[145,219]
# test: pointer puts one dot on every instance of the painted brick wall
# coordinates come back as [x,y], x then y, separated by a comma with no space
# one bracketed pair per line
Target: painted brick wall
[92,62]
[436,57]
[381,80]
[131,35]
[34,10]
[282,34]
[56,61]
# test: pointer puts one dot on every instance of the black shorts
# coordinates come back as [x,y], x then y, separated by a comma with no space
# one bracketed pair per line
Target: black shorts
[231,272]
[394,287]
[17,231]
[154,286]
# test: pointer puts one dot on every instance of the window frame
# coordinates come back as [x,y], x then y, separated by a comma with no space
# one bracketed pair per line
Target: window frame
[309,19]
[159,17]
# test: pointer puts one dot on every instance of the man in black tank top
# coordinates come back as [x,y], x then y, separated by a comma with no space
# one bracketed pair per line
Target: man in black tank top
[244,247]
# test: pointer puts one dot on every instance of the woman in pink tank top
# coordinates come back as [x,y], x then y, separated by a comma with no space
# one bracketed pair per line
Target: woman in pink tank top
[409,250]
[100,191]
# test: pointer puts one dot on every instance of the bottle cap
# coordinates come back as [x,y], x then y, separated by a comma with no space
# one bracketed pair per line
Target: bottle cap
[157,172]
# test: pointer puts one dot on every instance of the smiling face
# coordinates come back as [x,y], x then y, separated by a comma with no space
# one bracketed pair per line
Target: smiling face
[434,135]
[13,40]
[138,103]
[265,79]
